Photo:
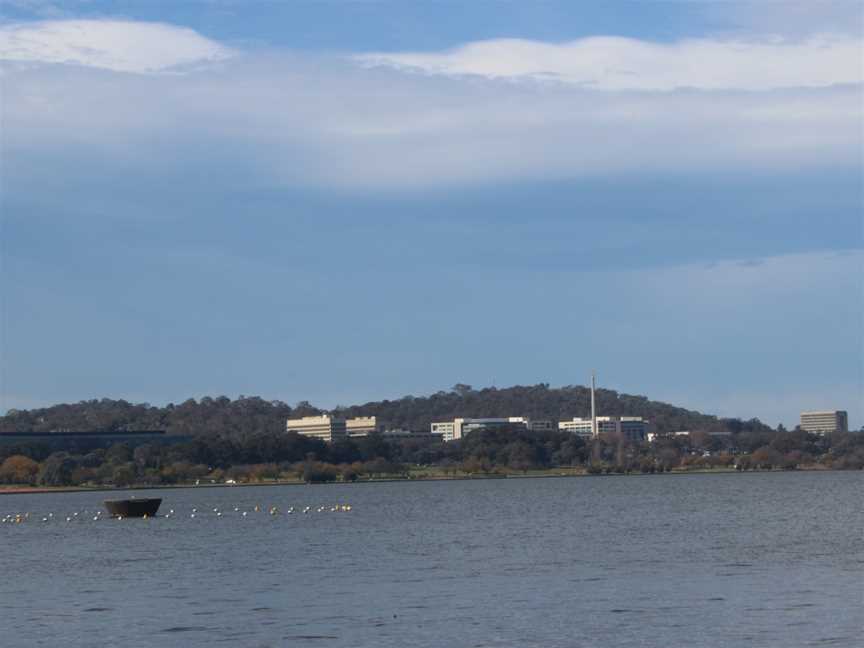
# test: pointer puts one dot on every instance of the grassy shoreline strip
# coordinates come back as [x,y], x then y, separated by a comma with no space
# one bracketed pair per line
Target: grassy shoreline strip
[423,477]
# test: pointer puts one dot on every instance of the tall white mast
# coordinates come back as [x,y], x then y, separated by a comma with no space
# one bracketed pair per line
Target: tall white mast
[593,411]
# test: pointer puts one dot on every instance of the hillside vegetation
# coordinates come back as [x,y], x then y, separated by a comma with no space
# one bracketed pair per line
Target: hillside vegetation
[248,415]
[244,441]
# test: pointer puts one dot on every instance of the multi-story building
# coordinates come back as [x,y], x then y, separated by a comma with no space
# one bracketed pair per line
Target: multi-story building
[632,428]
[446,429]
[327,428]
[825,422]
[460,427]
[332,428]
[543,425]
[579,426]
[653,437]
[363,426]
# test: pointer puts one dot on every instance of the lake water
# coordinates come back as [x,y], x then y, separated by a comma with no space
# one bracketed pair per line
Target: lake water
[771,559]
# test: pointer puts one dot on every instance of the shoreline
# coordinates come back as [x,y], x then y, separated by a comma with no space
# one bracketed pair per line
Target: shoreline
[552,474]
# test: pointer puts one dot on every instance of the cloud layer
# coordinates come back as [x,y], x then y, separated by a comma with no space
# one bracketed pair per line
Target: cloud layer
[611,63]
[122,46]
[288,118]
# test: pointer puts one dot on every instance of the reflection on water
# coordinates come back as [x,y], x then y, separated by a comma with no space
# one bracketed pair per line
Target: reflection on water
[704,560]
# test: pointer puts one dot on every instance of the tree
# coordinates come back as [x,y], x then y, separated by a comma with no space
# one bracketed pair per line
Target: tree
[124,474]
[520,456]
[349,474]
[18,469]
[668,457]
[146,455]
[260,472]
[316,473]
[373,446]
[474,465]
[570,452]
[118,453]
[766,457]
[57,470]
[462,389]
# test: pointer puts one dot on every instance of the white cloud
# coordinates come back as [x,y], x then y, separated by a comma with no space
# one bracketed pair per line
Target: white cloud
[304,119]
[122,46]
[613,63]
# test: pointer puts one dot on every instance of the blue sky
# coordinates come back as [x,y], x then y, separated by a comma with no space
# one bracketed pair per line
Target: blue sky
[347,201]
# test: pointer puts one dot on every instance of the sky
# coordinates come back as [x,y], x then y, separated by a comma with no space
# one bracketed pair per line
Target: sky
[355,200]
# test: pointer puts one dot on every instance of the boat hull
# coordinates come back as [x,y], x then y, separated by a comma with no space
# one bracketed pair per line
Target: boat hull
[133,507]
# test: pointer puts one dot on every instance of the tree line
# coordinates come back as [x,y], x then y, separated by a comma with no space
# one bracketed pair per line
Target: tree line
[264,456]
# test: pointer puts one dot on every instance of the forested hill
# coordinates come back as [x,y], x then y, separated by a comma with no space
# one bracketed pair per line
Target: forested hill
[252,414]
[539,402]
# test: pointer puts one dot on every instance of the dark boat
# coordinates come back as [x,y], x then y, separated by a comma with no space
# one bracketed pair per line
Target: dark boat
[133,507]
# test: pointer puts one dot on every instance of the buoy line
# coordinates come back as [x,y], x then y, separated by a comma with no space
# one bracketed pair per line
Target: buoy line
[95,515]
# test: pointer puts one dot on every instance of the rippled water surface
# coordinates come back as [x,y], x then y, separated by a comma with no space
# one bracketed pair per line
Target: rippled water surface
[684,560]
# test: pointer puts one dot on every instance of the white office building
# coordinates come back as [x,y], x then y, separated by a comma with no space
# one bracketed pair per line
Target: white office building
[331,428]
[632,428]
[447,429]
[825,422]
[460,427]
[363,426]
[327,428]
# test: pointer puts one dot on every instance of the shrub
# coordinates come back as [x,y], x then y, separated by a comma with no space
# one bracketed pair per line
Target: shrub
[315,472]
